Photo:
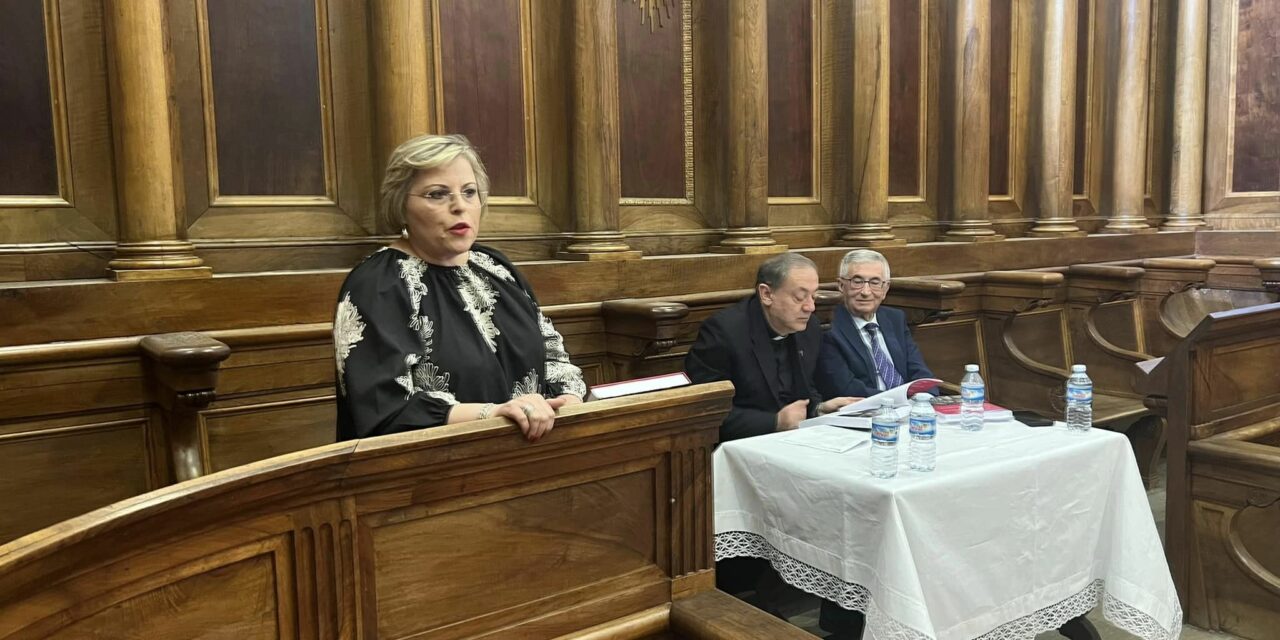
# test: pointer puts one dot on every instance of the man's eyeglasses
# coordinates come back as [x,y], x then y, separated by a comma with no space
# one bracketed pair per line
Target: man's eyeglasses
[858,283]
[440,196]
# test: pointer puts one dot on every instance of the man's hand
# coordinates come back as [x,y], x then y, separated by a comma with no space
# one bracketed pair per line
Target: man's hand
[791,415]
[835,403]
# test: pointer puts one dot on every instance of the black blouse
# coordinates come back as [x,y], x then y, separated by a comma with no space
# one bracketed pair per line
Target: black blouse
[412,339]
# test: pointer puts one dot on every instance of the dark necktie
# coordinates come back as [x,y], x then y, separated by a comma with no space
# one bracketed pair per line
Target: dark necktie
[884,366]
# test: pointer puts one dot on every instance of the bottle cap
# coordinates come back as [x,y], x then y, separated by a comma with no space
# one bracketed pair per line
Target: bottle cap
[922,397]
[1077,368]
[887,402]
[971,368]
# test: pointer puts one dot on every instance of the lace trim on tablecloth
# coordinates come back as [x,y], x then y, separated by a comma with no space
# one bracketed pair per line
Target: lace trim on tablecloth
[733,544]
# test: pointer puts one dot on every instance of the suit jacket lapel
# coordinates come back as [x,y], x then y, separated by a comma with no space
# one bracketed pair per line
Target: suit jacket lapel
[847,331]
[762,349]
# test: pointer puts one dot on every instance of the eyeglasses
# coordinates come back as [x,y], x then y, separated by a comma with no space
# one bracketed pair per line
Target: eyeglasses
[858,283]
[439,196]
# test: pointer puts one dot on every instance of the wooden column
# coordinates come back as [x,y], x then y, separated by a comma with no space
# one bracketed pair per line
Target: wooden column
[870,226]
[403,75]
[597,177]
[152,237]
[967,110]
[1190,84]
[1053,112]
[747,140]
[1126,113]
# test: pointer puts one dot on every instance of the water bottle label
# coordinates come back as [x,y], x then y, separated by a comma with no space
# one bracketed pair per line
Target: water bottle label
[924,427]
[973,394]
[884,433]
[1080,394]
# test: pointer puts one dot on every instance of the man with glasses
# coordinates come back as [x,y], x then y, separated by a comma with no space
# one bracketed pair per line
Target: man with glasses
[768,346]
[869,348]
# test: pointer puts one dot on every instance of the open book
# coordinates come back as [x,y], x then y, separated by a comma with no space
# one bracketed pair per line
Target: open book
[857,415]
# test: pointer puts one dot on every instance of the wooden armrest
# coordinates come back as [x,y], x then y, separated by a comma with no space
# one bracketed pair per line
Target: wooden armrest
[187,350]
[924,285]
[1037,278]
[1267,263]
[1188,264]
[1110,272]
[823,297]
[716,615]
[655,310]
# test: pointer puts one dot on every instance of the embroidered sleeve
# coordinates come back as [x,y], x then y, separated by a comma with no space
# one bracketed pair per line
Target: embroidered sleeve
[562,376]
[348,330]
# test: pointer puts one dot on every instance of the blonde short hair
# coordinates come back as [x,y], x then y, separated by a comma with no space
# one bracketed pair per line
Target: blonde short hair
[416,154]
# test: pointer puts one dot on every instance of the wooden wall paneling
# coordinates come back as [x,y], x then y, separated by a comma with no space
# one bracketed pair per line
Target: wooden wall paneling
[326,54]
[966,99]
[109,451]
[30,166]
[810,216]
[747,132]
[1122,196]
[1051,160]
[795,54]
[916,44]
[597,183]
[1231,203]
[1002,33]
[1187,136]
[868,226]
[79,206]
[666,69]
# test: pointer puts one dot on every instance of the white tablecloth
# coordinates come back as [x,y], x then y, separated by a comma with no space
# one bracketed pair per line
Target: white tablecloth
[1018,530]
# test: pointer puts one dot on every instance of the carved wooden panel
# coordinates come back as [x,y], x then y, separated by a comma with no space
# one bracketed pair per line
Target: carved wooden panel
[1084,68]
[266,98]
[483,85]
[792,122]
[949,345]
[1242,377]
[1002,52]
[569,537]
[109,456]
[908,56]
[274,144]
[1256,155]
[1242,151]
[29,164]
[653,105]
[248,433]
[55,169]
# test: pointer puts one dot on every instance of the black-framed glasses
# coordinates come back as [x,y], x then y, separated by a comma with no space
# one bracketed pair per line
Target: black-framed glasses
[858,283]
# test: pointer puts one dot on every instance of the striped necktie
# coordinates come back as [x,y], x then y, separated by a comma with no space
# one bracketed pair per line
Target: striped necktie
[884,366]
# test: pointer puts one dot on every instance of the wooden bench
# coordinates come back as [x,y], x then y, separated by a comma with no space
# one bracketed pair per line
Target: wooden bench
[1219,390]
[601,530]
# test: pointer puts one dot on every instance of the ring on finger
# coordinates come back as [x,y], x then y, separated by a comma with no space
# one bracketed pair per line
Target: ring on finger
[527,409]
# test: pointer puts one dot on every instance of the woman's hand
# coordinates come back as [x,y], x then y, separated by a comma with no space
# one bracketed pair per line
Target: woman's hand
[534,413]
[569,399]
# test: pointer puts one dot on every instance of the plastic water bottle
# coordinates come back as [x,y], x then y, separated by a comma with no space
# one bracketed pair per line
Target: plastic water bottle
[884,441]
[924,428]
[973,393]
[1079,400]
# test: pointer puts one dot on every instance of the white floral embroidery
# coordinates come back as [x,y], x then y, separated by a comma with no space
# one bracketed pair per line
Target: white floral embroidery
[406,380]
[529,385]
[348,329]
[411,270]
[486,262]
[479,298]
[428,379]
[560,372]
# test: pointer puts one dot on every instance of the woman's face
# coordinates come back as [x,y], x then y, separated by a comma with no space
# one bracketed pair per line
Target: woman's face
[442,212]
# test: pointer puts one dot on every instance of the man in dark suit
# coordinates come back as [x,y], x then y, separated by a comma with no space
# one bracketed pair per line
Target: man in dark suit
[869,348]
[768,346]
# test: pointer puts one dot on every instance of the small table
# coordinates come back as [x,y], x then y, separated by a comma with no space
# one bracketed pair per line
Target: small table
[1018,530]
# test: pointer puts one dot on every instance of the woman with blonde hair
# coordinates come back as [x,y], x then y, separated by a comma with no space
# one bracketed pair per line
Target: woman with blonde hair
[436,329]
